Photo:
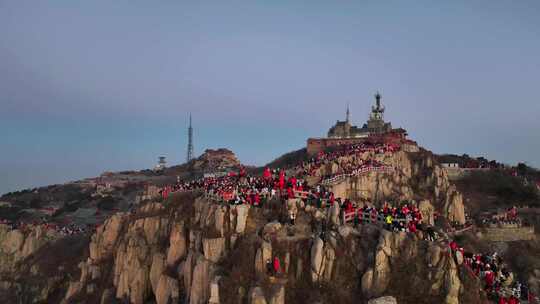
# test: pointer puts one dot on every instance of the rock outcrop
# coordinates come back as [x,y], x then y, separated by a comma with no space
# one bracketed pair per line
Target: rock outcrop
[215,160]
[104,239]
[167,290]
[413,174]
[322,259]
[377,278]
[453,206]
[177,248]
[262,257]
[427,210]
[154,252]
[396,250]
[16,245]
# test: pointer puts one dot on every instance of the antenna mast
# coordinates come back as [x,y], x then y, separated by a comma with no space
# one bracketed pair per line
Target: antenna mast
[190,141]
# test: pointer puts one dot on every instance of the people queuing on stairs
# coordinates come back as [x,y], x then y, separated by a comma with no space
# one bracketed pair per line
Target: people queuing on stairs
[239,188]
[498,282]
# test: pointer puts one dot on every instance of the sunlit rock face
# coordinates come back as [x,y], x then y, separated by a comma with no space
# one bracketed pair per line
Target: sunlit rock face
[415,176]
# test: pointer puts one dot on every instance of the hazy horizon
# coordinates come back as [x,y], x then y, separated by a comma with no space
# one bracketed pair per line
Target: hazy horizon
[98,86]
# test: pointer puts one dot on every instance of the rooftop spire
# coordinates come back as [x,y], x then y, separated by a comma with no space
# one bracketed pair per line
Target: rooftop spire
[378,99]
[348,113]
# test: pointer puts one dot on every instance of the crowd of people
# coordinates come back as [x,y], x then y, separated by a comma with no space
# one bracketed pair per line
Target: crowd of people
[62,229]
[239,188]
[348,157]
[508,218]
[498,282]
[404,216]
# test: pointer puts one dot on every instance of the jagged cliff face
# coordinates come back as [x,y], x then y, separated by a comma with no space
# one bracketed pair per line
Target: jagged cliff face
[416,176]
[172,255]
[16,245]
[162,253]
[435,271]
[36,264]
[197,251]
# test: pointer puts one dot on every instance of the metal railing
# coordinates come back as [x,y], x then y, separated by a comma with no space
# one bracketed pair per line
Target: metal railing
[356,172]
[369,217]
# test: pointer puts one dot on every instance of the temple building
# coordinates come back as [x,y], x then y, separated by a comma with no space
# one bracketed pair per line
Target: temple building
[374,125]
[375,129]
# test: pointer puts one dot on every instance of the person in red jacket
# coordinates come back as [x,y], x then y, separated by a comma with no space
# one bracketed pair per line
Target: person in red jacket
[277,265]
[267,175]
[502,300]
[512,213]
[489,277]
[348,206]
[257,200]
[290,192]
[293,181]
[453,245]
[281,180]
[242,172]
[386,209]
[418,215]
[374,214]
[412,227]
[332,199]
[405,210]
[513,300]
[165,193]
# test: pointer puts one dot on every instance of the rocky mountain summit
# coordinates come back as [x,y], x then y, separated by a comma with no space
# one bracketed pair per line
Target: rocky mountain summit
[216,160]
[195,248]
[415,176]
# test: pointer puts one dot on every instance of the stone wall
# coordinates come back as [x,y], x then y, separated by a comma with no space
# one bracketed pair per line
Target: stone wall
[316,145]
[508,234]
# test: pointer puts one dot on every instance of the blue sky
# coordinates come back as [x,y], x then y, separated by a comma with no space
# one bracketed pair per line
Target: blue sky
[89,86]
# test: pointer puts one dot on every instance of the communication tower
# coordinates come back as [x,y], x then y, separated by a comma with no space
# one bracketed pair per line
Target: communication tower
[190,141]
